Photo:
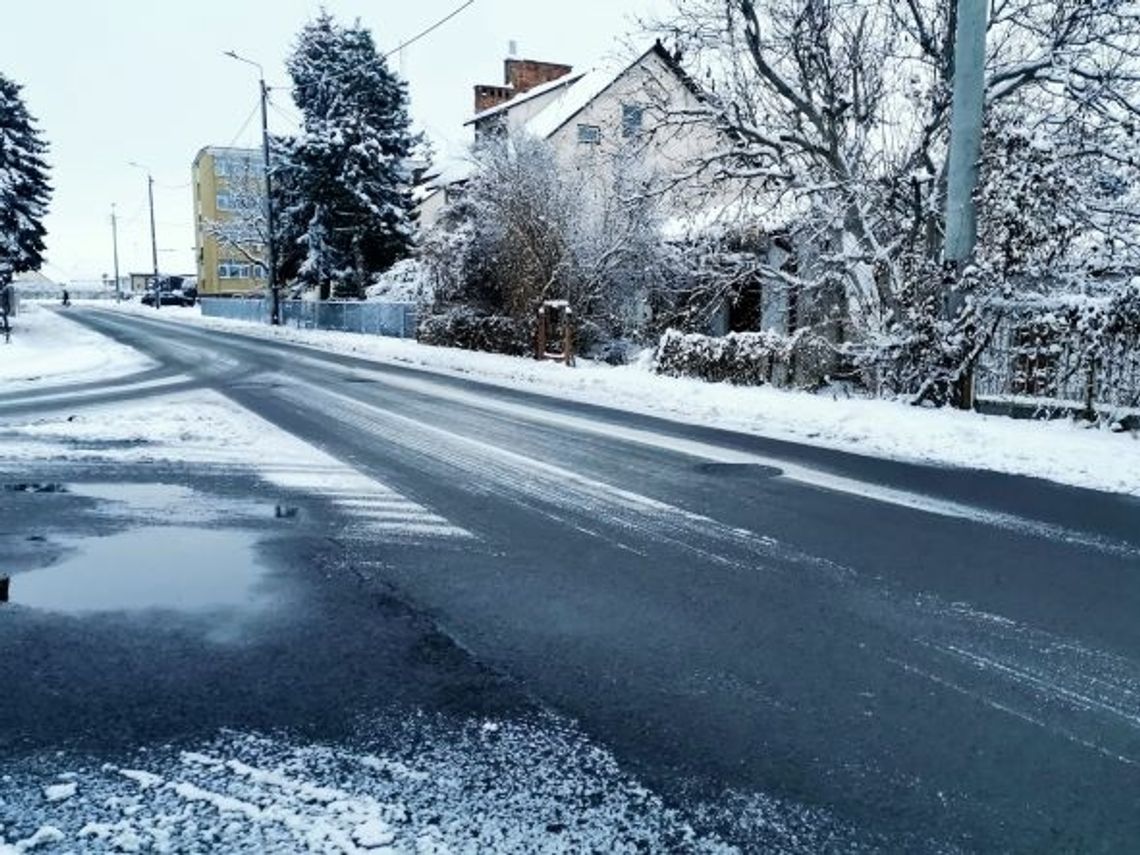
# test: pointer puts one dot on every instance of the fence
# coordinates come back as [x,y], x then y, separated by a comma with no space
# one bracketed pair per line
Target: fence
[397,320]
[1060,362]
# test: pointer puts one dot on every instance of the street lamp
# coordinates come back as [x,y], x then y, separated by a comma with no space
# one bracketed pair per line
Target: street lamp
[275,312]
[153,240]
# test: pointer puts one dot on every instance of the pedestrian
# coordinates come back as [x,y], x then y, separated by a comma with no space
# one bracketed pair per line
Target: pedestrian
[66,298]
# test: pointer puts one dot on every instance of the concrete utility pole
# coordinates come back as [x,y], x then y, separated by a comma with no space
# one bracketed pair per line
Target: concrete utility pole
[965,152]
[965,130]
[115,250]
[153,238]
[270,250]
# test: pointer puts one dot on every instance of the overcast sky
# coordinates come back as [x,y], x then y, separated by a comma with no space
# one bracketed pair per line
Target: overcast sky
[145,80]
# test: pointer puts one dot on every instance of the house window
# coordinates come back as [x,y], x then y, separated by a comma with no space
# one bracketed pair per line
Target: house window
[589,134]
[632,116]
[240,270]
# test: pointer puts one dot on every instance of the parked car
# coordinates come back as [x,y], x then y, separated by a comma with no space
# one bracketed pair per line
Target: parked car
[172,292]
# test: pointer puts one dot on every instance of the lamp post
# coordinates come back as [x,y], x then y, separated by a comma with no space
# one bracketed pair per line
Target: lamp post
[153,240]
[271,256]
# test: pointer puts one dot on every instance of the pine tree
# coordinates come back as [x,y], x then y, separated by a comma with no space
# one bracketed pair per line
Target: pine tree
[348,209]
[24,188]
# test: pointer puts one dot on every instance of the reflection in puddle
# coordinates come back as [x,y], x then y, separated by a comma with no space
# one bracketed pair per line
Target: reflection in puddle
[159,503]
[24,487]
[185,569]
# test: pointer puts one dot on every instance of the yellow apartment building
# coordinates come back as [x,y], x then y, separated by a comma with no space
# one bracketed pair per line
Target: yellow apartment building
[229,221]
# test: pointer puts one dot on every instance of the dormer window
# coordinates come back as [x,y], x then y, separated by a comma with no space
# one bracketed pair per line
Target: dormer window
[589,134]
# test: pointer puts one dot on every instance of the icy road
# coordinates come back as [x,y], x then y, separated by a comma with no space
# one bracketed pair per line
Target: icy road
[789,648]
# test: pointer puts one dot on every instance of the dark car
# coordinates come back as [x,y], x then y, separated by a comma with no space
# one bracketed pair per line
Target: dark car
[172,292]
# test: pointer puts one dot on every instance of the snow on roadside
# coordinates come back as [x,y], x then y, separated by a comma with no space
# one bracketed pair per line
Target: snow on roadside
[203,427]
[422,784]
[1060,451]
[46,350]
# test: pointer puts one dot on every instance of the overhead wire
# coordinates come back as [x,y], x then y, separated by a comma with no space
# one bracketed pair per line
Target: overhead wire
[245,124]
[430,29]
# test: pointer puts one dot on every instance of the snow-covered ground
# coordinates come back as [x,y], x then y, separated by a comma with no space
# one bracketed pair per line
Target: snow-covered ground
[46,349]
[418,786]
[1062,451]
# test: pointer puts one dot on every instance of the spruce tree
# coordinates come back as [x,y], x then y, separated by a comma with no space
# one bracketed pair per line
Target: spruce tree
[348,209]
[24,188]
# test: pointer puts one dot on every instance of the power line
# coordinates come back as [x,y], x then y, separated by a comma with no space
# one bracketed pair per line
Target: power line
[245,124]
[430,29]
[412,40]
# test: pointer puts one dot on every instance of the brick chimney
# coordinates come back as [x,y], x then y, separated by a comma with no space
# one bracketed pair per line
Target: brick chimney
[522,75]
[519,75]
[487,97]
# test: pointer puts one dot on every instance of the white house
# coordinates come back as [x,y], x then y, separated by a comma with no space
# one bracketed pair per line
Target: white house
[615,116]
[640,123]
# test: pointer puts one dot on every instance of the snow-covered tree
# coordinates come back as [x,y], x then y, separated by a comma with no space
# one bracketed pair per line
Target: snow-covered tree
[525,230]
[840,109]
[243,227]
[24,188]
[345,182]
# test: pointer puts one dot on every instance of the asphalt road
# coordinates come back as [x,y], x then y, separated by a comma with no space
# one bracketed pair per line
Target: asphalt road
[937,658]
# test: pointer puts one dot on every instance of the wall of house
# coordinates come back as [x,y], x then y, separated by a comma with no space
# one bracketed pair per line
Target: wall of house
[209,178]
[657,153]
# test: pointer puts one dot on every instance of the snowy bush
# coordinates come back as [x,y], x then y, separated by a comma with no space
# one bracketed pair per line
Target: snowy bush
[471,330]
[745,358]
[404,282]
[527,229]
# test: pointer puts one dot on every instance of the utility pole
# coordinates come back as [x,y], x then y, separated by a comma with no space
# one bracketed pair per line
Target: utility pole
[153,240]
[270,249]
[965,152]
[115,250]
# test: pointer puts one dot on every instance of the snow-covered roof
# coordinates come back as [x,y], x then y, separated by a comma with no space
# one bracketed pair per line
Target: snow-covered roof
[573,99]
[522,97]
[578,90]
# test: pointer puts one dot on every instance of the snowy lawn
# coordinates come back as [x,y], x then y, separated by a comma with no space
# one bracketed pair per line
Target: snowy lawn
[1062,451]
[48,350]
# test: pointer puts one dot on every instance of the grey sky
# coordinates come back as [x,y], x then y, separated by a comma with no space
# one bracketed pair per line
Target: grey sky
[145,80]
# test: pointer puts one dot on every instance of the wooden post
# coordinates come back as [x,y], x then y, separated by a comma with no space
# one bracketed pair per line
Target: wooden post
[540,334]
[568,336]
[4,589]
[1090,391]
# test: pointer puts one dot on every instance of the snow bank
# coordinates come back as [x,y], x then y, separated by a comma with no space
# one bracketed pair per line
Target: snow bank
[1061,451]
[48,350]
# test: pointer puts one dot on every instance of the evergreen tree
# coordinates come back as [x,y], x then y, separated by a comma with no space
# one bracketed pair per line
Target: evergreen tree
[347,207]
[24,188]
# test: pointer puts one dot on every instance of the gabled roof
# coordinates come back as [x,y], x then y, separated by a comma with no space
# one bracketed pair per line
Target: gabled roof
[523,97]
[579,90]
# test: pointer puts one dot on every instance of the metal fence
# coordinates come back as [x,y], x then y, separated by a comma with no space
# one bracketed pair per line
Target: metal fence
[397,320]
[1051,369]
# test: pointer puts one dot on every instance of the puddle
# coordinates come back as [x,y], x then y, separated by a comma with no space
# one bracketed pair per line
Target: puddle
[184,569]
[35,488]
[169,504]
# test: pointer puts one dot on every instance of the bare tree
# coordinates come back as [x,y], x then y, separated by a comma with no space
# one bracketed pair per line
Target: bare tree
[242,226]
[840,110]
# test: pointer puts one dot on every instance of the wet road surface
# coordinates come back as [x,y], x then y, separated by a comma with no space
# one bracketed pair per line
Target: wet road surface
[931,658]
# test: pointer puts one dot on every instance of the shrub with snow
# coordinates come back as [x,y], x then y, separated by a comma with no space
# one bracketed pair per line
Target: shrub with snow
[406,281]
[744,358]
[471,330]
